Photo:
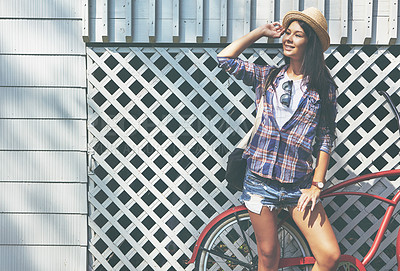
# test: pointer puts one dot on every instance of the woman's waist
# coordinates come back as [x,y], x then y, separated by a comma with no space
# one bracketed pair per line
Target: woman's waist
[276,182]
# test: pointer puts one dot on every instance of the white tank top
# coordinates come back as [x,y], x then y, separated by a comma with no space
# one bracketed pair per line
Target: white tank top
[283,113]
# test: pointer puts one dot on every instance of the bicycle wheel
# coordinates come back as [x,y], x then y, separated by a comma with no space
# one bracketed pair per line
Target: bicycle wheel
[231,245]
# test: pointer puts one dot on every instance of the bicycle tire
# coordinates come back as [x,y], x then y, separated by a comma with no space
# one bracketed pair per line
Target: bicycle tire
[226,239]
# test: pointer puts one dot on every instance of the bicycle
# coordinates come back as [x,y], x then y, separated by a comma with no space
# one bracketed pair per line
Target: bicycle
[228,241]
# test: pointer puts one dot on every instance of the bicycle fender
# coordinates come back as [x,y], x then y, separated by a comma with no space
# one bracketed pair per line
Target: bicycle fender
[209,226]
[353,260]
[300,261]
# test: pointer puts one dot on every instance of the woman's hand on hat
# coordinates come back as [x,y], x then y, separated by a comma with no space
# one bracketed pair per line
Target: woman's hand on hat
[273,30]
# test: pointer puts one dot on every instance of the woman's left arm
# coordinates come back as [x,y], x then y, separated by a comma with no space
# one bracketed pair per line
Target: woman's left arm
[324,140]
[312,194]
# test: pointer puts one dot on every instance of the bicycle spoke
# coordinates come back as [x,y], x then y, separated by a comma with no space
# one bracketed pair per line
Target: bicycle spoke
[288,245]
[289,248]
[232,249]
[347,266]
[244,236]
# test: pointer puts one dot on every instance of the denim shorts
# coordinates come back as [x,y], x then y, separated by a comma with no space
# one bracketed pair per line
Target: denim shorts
[259,192]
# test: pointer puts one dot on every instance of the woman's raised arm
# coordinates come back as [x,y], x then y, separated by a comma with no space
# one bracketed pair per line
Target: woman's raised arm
[233,50]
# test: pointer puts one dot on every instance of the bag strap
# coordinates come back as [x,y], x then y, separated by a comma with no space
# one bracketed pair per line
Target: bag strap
[249,136]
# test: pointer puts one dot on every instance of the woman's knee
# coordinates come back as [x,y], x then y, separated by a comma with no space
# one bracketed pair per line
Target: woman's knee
[269,254]
[329,257]
[334,256]
[268,251]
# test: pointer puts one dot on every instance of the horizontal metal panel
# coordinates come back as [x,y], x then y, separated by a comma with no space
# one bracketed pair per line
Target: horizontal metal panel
[54,103]
[42,70]
[43,166]
[43,258]
[42,134]
[43,229]
[44,36]
[40,9]
[215,21]
[65,198]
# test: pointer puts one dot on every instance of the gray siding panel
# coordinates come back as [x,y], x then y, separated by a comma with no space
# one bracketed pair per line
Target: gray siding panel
[49,134]
[34,102]
[42,70]
[42,258]
[43,36]
[44,229]
[66,198]
[43,166]
[65,9]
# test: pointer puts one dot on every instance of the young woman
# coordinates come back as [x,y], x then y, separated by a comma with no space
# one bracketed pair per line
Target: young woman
[298,117]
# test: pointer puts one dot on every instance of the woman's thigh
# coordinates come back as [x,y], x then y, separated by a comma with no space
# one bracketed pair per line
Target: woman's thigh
[265,229]
[318,231]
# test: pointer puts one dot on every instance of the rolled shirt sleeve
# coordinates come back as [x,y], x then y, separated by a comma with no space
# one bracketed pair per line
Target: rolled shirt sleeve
[325,135]
[250,73]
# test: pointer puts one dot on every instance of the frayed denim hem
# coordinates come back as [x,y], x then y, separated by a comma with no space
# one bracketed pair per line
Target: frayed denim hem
[255,205]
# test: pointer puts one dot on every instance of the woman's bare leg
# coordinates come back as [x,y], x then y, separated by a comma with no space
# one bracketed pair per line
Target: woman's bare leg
[265,228]
[317,229]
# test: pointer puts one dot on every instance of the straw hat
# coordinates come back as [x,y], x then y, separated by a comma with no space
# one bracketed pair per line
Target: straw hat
[314,18]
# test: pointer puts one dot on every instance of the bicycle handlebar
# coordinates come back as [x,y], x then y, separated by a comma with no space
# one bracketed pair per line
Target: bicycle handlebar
[392,106]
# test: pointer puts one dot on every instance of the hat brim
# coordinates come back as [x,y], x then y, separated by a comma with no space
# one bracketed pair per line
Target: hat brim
[319,30]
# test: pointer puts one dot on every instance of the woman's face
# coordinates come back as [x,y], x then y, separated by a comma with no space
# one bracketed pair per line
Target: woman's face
[294,42]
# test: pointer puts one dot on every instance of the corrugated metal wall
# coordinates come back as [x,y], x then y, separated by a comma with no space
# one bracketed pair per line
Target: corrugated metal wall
[43,172]
[215,21]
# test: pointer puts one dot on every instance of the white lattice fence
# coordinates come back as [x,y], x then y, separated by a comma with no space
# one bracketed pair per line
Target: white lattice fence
[161,122]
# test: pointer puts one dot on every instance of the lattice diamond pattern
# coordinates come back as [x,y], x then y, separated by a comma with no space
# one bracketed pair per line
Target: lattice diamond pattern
[161,122]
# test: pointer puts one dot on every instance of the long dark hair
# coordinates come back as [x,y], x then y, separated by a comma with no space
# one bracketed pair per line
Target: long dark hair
[319,78]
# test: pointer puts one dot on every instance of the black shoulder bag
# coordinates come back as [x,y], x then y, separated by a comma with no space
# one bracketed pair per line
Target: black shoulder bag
[236,166]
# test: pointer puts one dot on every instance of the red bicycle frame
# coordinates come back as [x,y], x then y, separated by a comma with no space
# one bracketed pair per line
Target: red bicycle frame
[388,214]
[330,192]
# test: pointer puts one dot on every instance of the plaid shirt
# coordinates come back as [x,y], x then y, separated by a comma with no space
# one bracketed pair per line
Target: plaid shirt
[284,155]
